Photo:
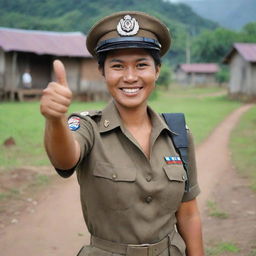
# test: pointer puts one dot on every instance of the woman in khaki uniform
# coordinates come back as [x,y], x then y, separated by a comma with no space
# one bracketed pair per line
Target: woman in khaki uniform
[133,199]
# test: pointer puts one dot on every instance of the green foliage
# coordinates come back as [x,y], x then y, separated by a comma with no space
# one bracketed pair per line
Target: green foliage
[212,46]
[232,14]
[223,75]
[80,15]
[242,145]
[250,28]
[164,79]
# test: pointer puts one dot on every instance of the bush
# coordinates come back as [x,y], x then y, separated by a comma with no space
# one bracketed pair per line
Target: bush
[223,75]
[165,76]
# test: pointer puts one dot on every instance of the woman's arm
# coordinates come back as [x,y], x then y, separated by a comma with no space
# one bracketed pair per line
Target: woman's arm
[62,148]
[189,226]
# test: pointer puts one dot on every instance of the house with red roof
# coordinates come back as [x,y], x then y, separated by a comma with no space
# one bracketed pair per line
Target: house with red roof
[196,74]
[22,50]
[242,62]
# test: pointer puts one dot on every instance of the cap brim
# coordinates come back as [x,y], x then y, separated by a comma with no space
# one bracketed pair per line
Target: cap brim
[128,42]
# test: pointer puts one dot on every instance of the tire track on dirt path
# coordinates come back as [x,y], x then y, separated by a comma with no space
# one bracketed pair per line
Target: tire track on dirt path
[57,227]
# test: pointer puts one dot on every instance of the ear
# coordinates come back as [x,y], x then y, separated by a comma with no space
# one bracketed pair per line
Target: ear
[158,69]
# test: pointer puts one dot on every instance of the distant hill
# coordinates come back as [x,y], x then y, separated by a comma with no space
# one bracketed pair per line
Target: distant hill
[80,15]
[232,14]
[66,15]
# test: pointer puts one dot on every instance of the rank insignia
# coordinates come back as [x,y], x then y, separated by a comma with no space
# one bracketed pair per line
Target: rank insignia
[74,123]
[172,160]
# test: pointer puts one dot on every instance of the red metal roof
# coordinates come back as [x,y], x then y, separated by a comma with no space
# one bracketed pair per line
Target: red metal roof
[200,68]
[70,44]
[246,50]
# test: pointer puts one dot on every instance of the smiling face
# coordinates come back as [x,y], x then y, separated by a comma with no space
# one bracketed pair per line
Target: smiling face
[130,75]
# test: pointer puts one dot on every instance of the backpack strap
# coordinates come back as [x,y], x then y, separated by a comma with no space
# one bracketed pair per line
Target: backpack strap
[176,122]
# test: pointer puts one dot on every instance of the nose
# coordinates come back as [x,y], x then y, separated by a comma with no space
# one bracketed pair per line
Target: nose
[130,76]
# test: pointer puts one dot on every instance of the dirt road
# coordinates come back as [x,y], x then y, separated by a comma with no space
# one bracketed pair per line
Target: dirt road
[56,226]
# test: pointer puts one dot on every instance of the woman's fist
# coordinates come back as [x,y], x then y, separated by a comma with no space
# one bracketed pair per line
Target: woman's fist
[57,96]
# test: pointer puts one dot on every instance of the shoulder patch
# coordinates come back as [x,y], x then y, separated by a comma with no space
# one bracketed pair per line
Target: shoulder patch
[74,123]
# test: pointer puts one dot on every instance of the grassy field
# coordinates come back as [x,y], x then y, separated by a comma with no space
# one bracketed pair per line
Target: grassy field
[242,145]
[23,122]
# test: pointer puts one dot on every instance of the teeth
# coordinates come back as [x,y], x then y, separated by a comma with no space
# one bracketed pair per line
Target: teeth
[130,90]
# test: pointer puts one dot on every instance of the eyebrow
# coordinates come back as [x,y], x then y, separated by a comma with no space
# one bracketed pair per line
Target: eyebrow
[121,61]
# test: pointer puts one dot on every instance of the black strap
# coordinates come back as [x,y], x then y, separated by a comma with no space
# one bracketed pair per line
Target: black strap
[176,122]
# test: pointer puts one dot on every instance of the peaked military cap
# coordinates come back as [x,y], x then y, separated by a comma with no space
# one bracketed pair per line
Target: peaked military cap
[129,29]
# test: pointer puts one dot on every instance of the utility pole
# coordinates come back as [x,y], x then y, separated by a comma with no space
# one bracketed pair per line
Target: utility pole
[188,54]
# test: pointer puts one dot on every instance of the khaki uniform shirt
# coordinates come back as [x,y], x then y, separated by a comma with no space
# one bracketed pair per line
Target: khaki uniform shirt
[126,197]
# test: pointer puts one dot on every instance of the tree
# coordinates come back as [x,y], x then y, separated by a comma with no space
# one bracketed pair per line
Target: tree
[212,46]
[164,79]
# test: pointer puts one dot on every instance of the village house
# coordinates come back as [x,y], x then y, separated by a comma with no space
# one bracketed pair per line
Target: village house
[242,62]
[34,51]
[202,74]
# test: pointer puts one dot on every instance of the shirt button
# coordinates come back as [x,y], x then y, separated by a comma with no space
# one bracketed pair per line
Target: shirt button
[183,177]
[114,176]
[149,199]
[148,178]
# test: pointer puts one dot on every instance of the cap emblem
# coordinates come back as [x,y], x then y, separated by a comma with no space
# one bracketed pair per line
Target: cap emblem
[128,26]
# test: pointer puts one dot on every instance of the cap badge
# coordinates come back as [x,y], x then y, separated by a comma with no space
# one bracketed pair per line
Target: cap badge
[128,26]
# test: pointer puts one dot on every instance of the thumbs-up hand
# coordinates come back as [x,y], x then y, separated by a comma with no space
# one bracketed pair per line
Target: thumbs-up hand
[57,96]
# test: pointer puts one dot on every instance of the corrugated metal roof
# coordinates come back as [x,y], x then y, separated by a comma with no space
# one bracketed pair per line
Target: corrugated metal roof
[200,68]
[246,50]
[70,44]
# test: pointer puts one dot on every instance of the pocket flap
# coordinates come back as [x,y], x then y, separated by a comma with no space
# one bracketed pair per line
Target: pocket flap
[106,170]
[178,242]
[175,172]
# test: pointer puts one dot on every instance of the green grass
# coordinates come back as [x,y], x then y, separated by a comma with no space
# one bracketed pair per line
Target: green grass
[189,90]
[202,113]
[215,211]
[24,123]
[221,248]
[243,146]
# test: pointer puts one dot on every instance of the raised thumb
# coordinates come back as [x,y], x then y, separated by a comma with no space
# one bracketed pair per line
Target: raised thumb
[60,73]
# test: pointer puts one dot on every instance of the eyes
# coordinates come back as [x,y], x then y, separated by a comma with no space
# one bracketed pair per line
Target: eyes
[120,66]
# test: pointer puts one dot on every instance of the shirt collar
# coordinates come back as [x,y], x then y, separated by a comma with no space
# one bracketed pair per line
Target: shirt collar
[158,122]
[111,119]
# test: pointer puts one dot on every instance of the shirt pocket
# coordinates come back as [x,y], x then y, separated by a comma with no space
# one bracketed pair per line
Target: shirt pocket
[115,185]
[177,245]
[175,186]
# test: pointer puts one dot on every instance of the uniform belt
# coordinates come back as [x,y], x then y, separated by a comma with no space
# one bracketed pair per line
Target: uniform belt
[132,249]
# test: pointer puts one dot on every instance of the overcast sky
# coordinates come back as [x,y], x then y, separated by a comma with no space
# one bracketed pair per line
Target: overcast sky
[176,1]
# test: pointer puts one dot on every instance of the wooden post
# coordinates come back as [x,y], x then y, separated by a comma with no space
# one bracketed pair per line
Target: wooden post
[13,80]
